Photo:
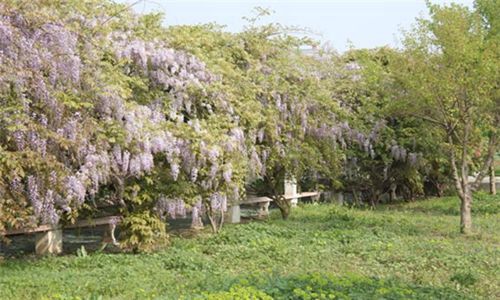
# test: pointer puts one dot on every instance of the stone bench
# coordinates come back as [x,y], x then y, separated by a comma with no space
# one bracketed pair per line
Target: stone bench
[263,202]
[303,195]
[49,237]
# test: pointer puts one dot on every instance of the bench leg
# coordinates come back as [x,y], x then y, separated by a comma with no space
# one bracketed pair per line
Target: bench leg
[196,221]
[109,235]
[234,214]
[197,224]
[340,198]
[264,209]
[49,242]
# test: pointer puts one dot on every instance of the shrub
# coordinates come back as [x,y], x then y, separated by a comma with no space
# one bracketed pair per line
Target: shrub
[143,232]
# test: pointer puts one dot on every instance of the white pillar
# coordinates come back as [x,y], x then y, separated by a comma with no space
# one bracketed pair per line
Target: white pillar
[196,221]
[234,214]
[340,198]
[291,190]
[49,242]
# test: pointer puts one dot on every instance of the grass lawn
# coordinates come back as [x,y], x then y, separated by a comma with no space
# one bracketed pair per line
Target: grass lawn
[410,251]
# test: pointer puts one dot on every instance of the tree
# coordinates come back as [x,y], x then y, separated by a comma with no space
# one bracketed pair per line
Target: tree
[280,97]
[97,107]
[489,11]
[393,163]
[446,75]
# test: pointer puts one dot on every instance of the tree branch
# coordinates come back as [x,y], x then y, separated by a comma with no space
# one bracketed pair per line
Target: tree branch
[431,120]
[492,147]
[454,169]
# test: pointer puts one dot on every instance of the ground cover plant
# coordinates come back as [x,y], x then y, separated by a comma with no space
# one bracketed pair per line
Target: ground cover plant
[107,113]
[325,251]
[103,109]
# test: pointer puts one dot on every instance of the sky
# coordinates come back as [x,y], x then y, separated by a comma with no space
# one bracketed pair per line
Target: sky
[340,23]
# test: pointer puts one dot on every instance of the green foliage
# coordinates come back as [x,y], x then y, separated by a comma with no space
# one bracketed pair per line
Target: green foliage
[239,293]
[403,251]
[484,204]
[285,102]
[81,252]
[273,87]
[143,231]
[464,278]
[321,286]
[440,96]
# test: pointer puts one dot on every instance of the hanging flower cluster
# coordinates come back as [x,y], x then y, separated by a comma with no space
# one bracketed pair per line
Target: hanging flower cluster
[172,208]
[37,64]
[400,153]
[92,106]
[58,112]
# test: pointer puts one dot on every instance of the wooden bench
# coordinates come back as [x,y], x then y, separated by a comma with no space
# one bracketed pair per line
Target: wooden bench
[49,237]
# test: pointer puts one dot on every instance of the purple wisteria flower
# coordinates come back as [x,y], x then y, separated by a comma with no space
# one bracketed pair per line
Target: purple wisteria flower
[75,189]
[218,202]
[227,173]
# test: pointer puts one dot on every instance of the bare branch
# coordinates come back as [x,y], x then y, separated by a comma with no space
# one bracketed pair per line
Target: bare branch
[488,160]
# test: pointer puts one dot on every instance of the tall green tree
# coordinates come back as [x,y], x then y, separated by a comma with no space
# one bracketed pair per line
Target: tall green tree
[489,11]
[447,75]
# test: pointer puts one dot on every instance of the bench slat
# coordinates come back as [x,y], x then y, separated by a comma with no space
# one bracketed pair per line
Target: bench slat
[251,200]
[95,222]
[302,195]
[40,228]
[78,224]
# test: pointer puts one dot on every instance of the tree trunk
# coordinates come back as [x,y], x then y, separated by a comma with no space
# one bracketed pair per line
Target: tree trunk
[465,211]
[212,223]
[284,205]
[119,185]
[355,195]
[374,197]
[440,189]
[221,221]
[285,211]
[393,193]
[212,217]
[464,190]
[493,187]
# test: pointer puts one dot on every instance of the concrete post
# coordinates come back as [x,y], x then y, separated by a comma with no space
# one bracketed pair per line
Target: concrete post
[49,242]
[196,221]
[234,214]
[291,190]
[340,198]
